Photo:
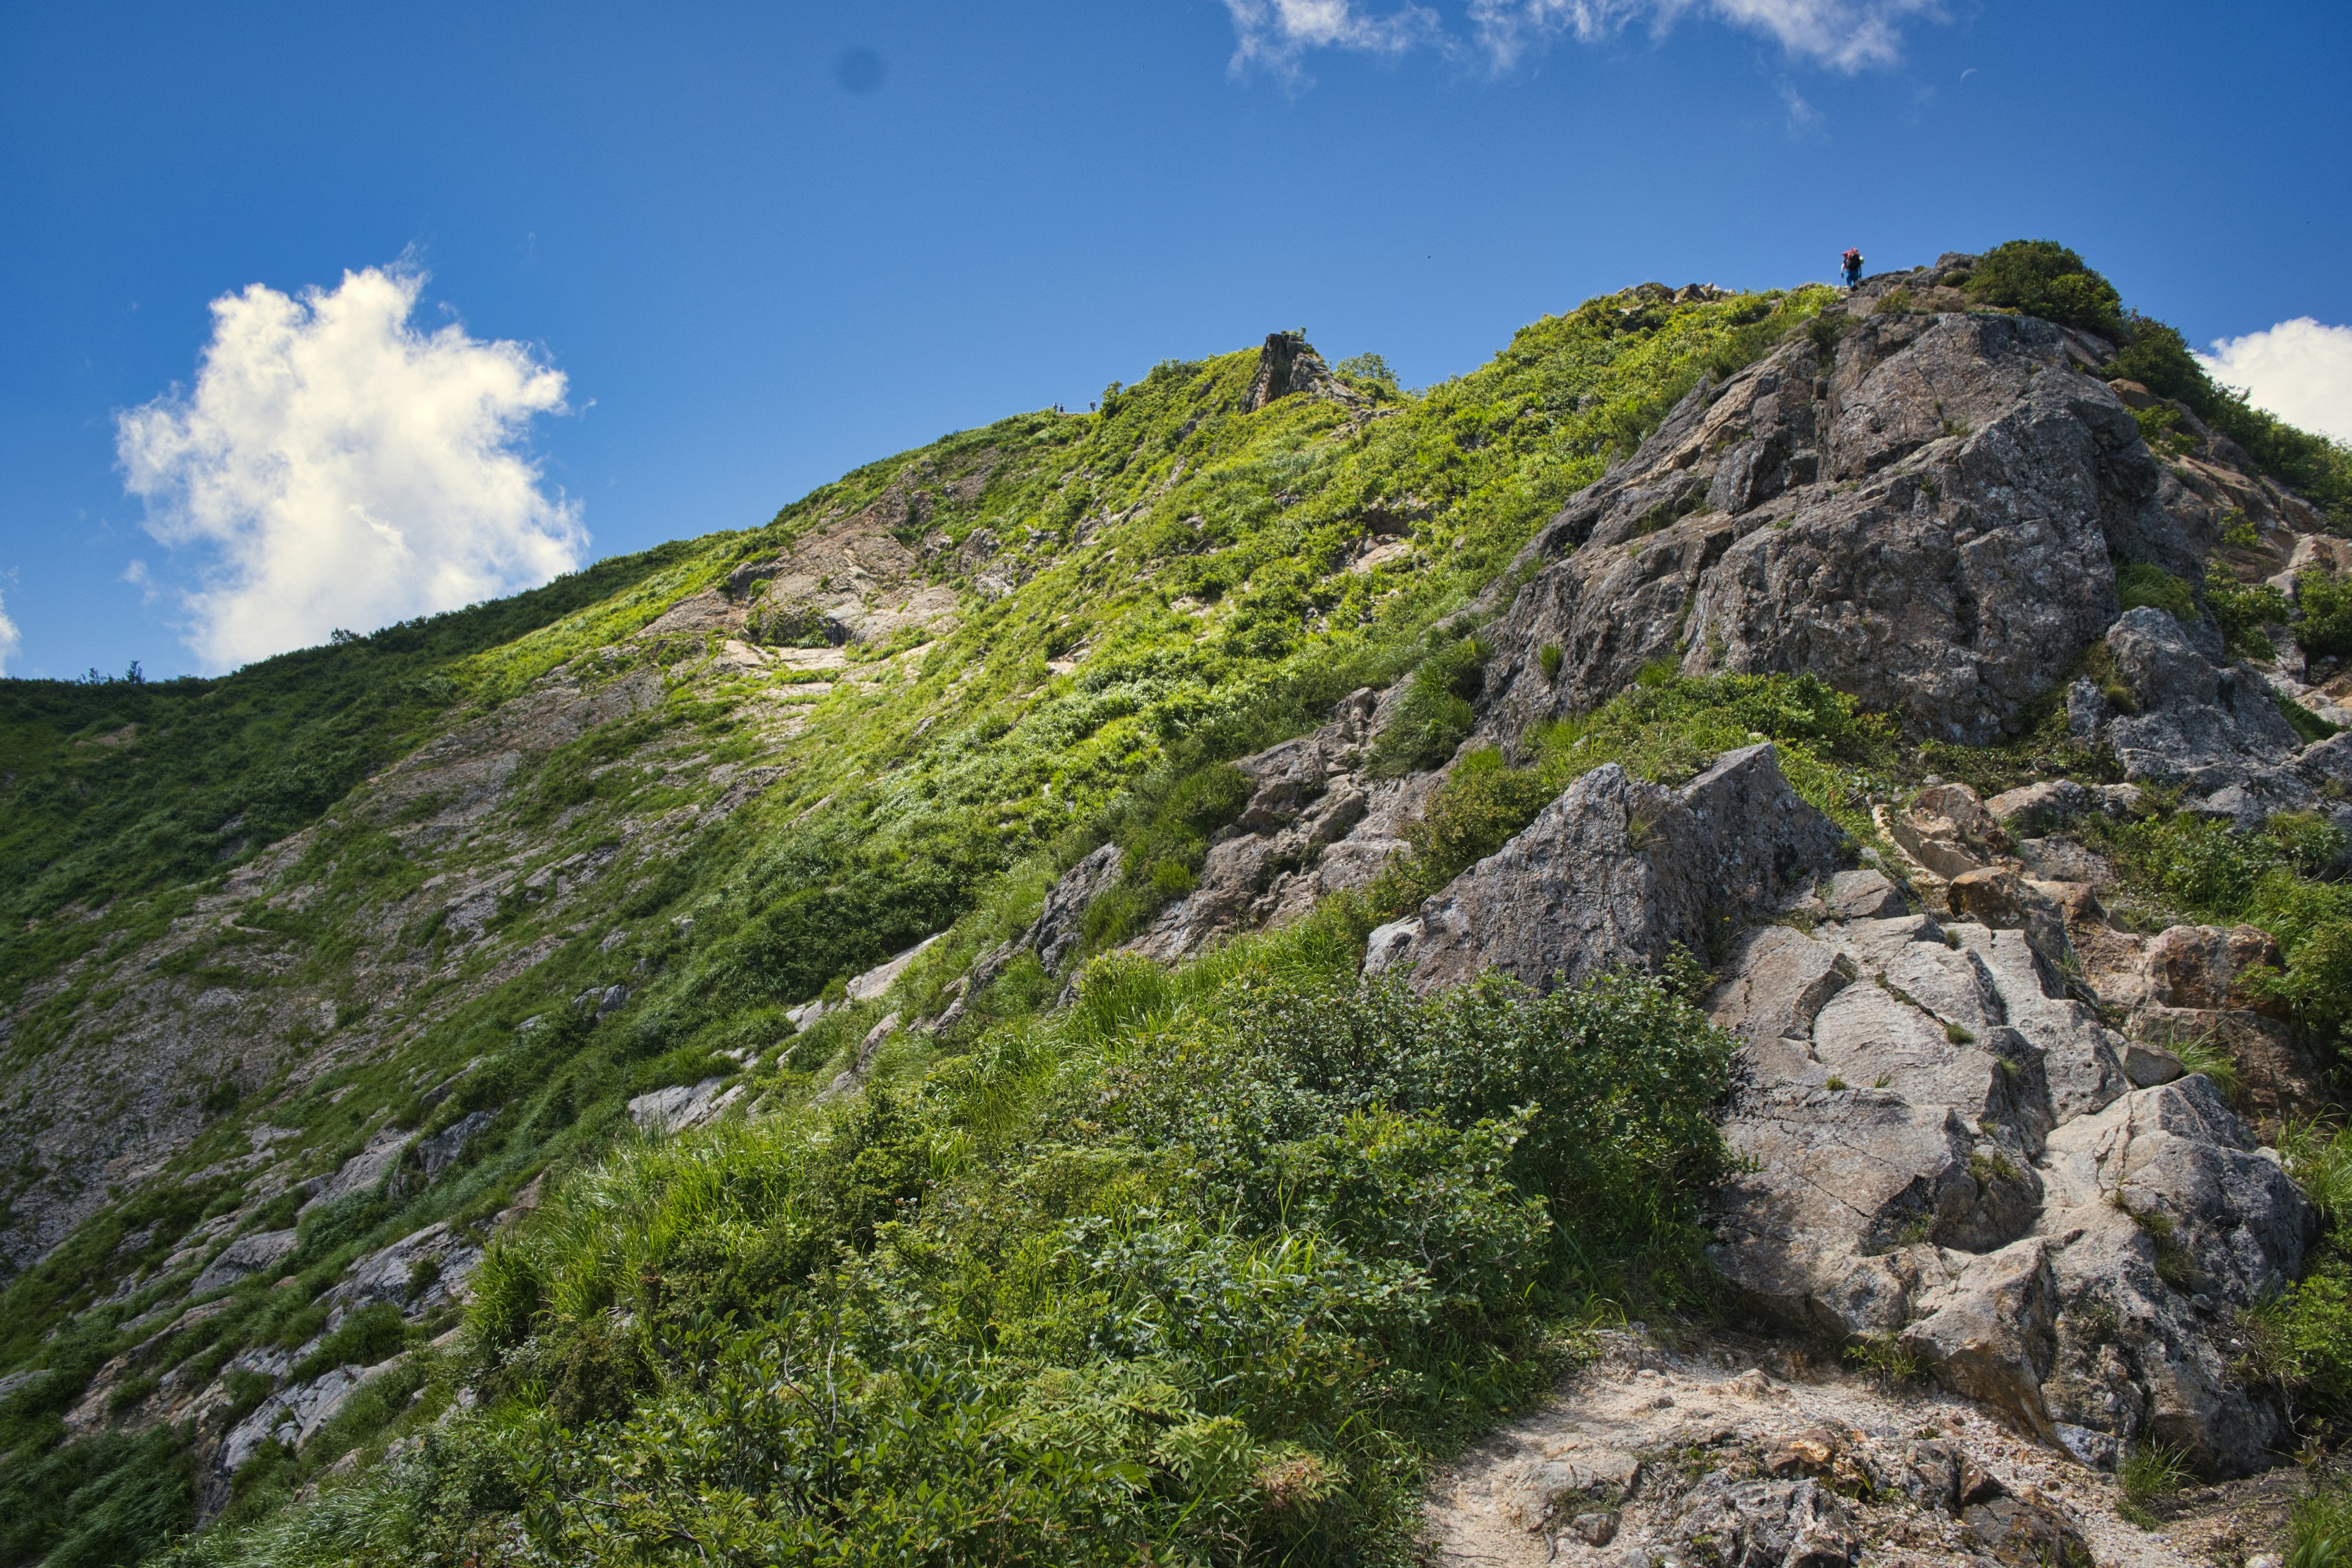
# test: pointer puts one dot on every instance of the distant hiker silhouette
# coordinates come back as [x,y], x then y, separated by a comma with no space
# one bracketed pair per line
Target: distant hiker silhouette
[1852,264]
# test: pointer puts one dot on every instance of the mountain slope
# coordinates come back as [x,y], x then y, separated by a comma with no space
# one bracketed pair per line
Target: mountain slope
[331,972]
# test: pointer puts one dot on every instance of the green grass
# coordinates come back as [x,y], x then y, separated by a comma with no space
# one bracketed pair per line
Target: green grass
[1202,1266]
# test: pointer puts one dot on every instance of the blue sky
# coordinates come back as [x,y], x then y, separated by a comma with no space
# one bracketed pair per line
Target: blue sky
[685,263]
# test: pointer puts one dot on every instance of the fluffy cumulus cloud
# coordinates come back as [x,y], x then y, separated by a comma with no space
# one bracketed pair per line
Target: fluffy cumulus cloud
[9,639]
[1845,35]
[2299,369]
[342,468]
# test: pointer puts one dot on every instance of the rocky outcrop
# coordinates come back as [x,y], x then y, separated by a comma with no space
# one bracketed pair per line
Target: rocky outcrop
[1942,1147]
[2212,731]
[1615,872]
[1054,936]
[1928,514]
[1288,366]
[1314,824]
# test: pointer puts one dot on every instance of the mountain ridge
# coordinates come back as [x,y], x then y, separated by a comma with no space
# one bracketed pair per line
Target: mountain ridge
[644,835]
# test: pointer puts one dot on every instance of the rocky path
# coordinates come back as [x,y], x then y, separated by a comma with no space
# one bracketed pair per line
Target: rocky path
[1730,1451]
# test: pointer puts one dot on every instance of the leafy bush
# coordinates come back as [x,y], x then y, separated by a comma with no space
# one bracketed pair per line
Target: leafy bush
[2324,603]
[2042,277]
[105,1500]
[2243,610]
[1189,1270]
[1367,367]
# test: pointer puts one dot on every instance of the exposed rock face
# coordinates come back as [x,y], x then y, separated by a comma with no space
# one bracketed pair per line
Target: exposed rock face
[1314,825]
[1942,1146]
[1928,517]
[1053,936]
[1617,871]
[2214,731]
[248,1254]
[1288,365]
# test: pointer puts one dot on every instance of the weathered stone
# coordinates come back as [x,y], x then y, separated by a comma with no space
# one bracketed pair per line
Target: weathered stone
[1616,871]
[365,1171]
[248,1254]
[681,1106]
[417,1273]
[1767,1523]
[2204,729]
[2200,966]
[1568,1483]
[1863,895]
[1935,530]
[446,1147]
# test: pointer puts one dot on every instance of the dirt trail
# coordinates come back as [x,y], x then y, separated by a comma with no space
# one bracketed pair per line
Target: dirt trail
[1725,1452]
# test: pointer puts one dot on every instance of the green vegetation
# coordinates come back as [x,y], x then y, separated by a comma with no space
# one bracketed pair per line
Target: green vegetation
[1206,1266]
[2243,610]
[1199,1268]
[2042,277]
[1664,729]
[2325,603]
[1190,560]
[2137,583]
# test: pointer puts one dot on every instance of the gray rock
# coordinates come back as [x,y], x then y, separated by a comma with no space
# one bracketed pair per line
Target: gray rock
[1616,871]
[1568,1483]
[2159,1185]
[2147,1067]
[1935,530]
[680,1107]
[365,1171]
[1863,895]
[416,1274]
[1937,1143]
[1765,1524]
[293,1415]
[2214,732]
[446,1147]
[248,1254]
[1314,825]
[871,985]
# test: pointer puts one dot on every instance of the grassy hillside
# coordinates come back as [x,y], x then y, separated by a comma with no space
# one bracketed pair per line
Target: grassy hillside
[1171,586]
[1203,1268]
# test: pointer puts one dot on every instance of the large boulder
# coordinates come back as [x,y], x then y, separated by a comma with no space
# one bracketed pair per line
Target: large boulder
[1937,1145]
[1616,871]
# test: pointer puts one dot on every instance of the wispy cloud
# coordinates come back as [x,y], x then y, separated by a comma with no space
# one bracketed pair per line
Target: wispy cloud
[341,468]
[2299,369]
[1840,34]
[1274,35]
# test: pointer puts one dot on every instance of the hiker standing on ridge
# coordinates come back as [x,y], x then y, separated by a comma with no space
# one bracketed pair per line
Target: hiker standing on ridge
[1852,265]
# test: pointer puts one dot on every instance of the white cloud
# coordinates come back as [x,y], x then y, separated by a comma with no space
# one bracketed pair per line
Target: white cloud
[10,641]
[1274,34]
[2299,369]
[1845,35]
[345,469]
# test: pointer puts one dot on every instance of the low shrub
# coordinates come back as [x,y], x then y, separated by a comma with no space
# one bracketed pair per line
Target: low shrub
[2042,277]
[2139,583]
[1435,714]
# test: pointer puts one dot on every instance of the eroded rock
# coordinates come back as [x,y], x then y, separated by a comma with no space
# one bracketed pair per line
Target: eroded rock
[1616,871]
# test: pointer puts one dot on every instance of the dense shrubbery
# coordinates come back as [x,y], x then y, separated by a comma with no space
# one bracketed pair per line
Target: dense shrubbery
[2042,277]
[1192,1270]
